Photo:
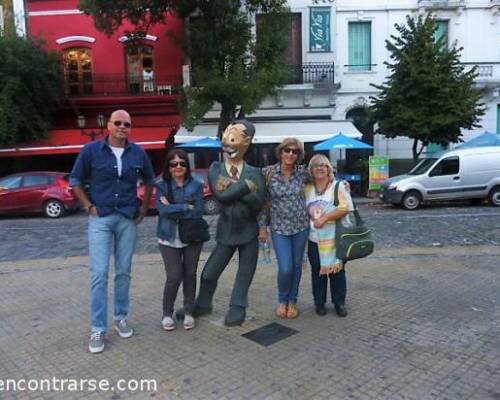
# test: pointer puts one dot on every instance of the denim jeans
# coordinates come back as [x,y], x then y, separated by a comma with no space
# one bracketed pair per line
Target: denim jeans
[338,284]
[289,251]
[110,234]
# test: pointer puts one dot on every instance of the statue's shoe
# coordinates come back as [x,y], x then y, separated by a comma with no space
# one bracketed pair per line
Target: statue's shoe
[235,316]
[198,311]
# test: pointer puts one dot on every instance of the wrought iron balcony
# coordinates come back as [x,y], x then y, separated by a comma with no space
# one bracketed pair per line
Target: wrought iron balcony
[317,73]
[121,85]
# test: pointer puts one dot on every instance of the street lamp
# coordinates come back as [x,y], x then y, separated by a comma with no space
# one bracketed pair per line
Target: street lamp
[101,123]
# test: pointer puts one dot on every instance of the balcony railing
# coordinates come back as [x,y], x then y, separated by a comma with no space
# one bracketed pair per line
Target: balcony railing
[488,73]
[317,73]
[442,3]
[122,85]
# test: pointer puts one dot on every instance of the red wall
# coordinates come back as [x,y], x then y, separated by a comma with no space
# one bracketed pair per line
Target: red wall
[108,53]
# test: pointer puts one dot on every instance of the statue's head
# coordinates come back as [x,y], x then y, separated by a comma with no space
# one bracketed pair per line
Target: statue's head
[237,138]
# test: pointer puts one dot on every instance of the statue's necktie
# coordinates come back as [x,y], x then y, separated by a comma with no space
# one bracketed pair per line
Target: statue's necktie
[234,172]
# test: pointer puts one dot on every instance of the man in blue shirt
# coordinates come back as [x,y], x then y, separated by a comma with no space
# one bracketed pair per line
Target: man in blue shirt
[112,167]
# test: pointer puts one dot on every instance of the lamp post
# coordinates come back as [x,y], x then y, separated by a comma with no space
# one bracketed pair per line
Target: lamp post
[101,123]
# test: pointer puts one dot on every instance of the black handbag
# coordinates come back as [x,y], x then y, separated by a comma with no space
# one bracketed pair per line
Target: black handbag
[191,230]
[353,241]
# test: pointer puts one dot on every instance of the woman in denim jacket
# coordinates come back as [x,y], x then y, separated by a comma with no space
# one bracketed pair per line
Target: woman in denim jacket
[184,199]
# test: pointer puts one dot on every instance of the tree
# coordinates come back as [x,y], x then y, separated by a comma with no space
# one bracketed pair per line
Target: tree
[428,96]
[228,65]
[31,89]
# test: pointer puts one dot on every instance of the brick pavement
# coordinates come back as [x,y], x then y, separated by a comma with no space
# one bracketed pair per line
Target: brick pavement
[424,323]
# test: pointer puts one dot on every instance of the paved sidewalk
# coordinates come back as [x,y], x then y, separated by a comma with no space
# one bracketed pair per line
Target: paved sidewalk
[423,323]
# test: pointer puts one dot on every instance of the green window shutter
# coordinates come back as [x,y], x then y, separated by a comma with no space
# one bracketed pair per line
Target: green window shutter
[441,32]
[360,52]
[498,118]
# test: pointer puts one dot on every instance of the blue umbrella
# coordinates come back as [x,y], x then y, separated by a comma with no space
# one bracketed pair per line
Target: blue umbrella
[485,139]
[205,143]
[341,141]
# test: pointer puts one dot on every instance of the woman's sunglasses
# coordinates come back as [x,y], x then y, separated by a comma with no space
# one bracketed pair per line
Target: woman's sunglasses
[173,164]
[120,123]
[288,150]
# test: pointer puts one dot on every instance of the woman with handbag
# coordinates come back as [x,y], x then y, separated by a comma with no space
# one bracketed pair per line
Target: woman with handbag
[288,221]
[179,199]
[323,216]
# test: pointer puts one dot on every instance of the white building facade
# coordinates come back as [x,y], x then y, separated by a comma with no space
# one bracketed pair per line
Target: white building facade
[342,51]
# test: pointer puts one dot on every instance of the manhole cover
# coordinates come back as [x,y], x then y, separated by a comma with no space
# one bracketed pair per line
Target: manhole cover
[270,334]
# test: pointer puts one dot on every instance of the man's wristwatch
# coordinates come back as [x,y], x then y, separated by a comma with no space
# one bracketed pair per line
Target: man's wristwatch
[89,207]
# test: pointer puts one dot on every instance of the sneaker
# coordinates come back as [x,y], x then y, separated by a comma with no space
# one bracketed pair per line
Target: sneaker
[188,322]
[168,323]
[122,328]
[96,342]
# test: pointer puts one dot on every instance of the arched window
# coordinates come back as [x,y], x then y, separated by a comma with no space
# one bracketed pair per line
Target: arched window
[140,68]
[78,70]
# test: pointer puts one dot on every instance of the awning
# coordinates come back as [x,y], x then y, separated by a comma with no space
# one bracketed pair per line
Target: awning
[70,141]
[275,132]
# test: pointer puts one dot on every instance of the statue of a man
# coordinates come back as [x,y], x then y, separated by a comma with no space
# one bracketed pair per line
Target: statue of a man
[240,189]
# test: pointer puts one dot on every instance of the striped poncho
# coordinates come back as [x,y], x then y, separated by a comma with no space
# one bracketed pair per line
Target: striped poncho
[318,205]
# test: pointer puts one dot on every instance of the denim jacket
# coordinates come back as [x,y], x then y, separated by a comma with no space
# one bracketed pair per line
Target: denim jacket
[183,196]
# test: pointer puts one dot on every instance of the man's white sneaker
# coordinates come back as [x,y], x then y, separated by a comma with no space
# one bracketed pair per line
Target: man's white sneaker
[122,328]
[96,342]
[168,323]
[188,322]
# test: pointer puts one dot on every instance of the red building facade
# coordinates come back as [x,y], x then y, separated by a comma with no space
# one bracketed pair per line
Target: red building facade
[102,74]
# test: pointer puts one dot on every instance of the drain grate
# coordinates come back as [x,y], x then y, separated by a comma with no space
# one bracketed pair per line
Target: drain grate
[270,334]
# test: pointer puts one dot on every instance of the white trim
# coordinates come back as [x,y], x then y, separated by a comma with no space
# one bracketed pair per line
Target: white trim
[19,149]
[67,39]
[54,12]
[124,39]
[276,131]
[74,146]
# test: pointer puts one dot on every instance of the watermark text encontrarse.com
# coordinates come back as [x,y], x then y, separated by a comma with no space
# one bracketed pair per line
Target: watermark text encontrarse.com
[55,384]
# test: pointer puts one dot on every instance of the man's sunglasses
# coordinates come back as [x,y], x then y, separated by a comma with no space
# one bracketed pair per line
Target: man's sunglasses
[120,123]
[290,151]
[173,164]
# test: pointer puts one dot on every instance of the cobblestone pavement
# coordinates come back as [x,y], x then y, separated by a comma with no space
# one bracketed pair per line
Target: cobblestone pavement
[38,237]
[423,323]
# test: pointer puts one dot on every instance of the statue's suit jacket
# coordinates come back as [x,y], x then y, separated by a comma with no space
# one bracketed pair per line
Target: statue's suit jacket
[240,207]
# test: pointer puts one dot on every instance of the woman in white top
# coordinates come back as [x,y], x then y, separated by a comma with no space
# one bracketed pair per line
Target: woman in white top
[323,215]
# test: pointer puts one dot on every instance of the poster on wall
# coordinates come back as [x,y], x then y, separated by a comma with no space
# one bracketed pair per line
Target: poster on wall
[378,169]
[319,29]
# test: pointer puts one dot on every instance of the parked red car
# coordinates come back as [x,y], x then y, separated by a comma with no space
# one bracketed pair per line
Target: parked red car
[212,206]
[34,192]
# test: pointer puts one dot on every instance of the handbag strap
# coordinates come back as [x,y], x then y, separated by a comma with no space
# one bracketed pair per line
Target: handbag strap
[357,216]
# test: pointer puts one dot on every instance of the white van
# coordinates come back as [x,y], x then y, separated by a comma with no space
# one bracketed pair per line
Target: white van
[469,173]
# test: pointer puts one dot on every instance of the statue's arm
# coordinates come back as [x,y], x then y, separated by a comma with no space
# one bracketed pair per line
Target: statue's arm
[233,192]
[255,200]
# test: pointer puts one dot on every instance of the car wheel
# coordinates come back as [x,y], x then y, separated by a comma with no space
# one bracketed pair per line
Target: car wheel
[412,200]
[494,196]
[212,206]
[54,209]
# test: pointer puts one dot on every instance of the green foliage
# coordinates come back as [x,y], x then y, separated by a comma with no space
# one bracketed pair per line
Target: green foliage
[31,89]
[428,96]
[228,65]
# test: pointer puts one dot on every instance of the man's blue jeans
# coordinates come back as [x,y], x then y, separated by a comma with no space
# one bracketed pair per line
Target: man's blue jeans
[289,251]
[111,234]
